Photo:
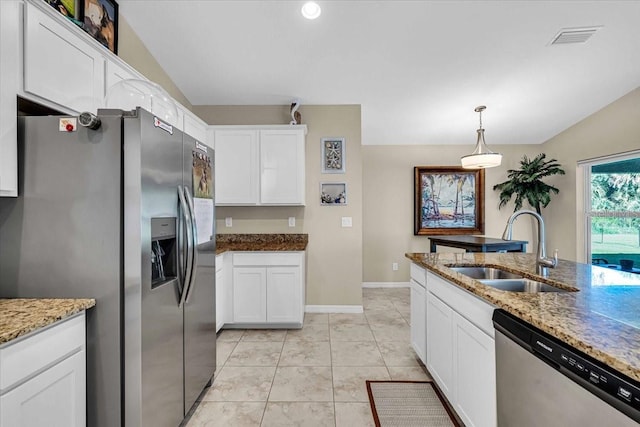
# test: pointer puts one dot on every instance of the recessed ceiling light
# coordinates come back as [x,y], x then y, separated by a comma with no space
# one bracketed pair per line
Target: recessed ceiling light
[311,10]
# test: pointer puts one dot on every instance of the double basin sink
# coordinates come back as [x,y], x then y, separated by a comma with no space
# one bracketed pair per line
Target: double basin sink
[506,280]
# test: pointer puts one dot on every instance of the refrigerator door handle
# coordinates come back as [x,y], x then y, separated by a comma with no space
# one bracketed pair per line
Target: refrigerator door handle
[194,243]
[188,261]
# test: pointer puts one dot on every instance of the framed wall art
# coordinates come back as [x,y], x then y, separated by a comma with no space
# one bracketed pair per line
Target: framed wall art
[72,9]
[101,22]
[333,193]
[448,200]
[333,155]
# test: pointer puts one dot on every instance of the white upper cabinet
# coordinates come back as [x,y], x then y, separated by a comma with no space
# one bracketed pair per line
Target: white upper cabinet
[9,87]
[194,127]
[236,171]
[259,165]
[282,167]
[58,65]
[51,61]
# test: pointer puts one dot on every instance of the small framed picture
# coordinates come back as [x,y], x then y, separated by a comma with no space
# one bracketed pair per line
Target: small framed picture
[333,155]
[333,193]
[72,9]
[101,22]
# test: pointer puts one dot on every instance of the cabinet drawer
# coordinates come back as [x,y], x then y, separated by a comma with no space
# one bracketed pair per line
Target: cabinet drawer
[468,305]
[418,274]
[41,350]
[267,259]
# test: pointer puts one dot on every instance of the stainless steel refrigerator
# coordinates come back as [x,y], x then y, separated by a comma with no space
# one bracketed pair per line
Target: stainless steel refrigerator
[108,212]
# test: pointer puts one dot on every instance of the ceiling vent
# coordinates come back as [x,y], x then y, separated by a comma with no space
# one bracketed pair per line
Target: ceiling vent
[574,35]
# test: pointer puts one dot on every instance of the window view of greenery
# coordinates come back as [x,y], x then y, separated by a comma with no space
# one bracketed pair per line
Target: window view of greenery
[615,214]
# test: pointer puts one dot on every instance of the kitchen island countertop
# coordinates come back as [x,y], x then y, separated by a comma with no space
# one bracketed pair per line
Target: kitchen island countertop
[602,319]
[261,242]
[19,316]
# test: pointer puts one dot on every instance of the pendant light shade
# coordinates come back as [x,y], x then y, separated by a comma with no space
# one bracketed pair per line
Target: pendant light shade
[481,157]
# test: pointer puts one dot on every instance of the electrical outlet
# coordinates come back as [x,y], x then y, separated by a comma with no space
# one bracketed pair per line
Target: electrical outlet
[347,221]
[228,222]
[394,266]
[292,221]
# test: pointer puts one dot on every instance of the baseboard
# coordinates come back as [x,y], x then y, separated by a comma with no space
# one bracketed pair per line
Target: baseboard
[385,284]
[333,309]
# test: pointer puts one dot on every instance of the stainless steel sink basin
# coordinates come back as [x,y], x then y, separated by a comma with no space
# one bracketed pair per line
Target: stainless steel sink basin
[521,285]
[506,281]
[483,273]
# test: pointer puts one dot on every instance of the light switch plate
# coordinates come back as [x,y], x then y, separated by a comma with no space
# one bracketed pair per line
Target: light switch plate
[292,221]
[228,222]
[347,221]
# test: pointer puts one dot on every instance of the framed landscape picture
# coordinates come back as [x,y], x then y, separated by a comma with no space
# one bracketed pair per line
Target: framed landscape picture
[448,200]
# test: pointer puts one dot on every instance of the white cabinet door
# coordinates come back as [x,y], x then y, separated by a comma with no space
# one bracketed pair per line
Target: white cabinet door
[219,299]
[9,86]
[55,397]
[418,321]
[59,65]
[236,170]
[125,98]
[195,127]
[440,346]
[249,294]
[284,295]
[282,159]
[474,374]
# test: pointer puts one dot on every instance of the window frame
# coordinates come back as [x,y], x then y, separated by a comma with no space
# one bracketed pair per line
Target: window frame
[587,212]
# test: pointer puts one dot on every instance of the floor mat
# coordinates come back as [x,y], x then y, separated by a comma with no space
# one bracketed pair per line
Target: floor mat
[408,403]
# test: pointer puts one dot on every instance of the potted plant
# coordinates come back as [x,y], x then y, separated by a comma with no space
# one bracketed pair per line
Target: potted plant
[526,183]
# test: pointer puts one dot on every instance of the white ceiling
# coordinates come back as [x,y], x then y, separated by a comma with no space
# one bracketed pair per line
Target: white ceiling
[418,68]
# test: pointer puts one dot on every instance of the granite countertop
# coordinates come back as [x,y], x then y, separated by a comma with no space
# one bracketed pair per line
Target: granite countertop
[261,242]
[19,316]
[602,319]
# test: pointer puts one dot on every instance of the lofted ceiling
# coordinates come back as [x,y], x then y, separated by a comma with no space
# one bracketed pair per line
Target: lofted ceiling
[417,68]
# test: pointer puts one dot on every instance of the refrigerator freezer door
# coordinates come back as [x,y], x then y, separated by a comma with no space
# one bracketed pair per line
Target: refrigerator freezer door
[153,318]
[61,238]
[199,311]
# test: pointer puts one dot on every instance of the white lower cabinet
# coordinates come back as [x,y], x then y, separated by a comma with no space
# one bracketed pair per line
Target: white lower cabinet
[460,350]
[474,371]
[220,292]
[440,343]
[43,377]
[418,320]
[283,295]
[268,289]
[249,294]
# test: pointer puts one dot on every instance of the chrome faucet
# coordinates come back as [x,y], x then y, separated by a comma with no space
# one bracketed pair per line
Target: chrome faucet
[542,260]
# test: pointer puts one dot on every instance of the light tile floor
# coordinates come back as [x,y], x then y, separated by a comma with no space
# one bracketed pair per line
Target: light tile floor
[314,376]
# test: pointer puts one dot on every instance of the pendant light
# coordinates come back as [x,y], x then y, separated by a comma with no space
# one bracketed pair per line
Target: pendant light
[481,157]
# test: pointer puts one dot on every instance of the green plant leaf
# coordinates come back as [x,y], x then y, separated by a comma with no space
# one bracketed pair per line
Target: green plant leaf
[526,183]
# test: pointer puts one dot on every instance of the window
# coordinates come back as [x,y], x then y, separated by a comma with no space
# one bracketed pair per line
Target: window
[612,211]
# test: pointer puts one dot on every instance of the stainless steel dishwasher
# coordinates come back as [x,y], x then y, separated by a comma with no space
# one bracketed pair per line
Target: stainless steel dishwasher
[542,381]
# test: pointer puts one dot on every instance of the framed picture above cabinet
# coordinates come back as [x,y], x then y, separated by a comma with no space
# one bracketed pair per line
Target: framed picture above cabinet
[100,20]
[72,9]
